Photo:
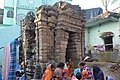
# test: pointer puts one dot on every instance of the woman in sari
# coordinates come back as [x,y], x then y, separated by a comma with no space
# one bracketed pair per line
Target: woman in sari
[98,74]
[70,62]
[48,74]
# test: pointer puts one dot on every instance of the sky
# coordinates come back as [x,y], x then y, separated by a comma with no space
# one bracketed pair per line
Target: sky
[1,4]
[87,4]
[84,4]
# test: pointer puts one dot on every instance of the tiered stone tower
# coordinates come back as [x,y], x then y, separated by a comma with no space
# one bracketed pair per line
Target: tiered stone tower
[59,32]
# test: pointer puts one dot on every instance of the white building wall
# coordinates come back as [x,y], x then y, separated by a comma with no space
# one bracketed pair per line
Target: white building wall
[93,36]
[86,36]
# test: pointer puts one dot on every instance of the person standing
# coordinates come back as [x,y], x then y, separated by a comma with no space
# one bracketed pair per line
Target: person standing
[48,74]
[65,76]
[71,63]
[85,71]
[67,69]
[58,71]
[97,73]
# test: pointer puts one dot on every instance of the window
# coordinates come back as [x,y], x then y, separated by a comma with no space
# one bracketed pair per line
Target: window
[108,41]
[1,16]
[10,14]
[31,13]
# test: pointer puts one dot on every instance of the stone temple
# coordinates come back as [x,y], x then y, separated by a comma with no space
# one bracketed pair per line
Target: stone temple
[54,33]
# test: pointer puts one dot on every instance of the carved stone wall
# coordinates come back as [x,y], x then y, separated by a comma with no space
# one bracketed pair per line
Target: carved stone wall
[59,32]
[29,45]
[46,19]
[62,26]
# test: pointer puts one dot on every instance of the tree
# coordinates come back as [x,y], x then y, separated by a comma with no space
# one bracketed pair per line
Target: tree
[107,2]
[114,1]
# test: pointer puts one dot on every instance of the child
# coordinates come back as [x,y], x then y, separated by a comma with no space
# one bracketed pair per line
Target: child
[67,69]
[79,76]
[18,75]
[65,76]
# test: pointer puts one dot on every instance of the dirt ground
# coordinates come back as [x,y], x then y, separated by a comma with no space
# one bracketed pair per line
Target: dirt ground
[109,69]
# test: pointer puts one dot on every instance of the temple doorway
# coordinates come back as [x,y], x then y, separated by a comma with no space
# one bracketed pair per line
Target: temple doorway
[71,49]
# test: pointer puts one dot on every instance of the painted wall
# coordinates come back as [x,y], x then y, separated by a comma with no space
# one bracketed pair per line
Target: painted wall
[24,11]
[28,4]
[7,34]
[23,7]
[9,3]
[32,4]
[93,33]
[6,20]
[21,13]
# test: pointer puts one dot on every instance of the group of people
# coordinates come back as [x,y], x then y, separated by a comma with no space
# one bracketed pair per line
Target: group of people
[66,71]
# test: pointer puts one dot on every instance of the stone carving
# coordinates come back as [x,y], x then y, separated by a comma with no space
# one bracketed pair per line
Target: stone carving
[59,33]
[28,36]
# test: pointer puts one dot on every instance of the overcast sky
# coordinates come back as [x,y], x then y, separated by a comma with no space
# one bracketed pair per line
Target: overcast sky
[1,3]
[87,4]
[84,4]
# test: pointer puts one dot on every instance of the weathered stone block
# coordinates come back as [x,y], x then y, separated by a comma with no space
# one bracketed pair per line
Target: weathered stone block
[52,19]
